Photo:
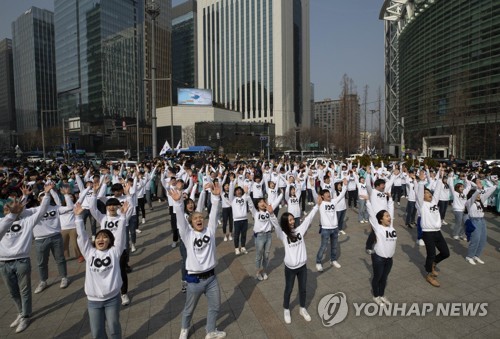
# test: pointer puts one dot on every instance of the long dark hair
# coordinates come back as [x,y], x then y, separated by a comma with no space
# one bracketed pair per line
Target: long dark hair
[285,226]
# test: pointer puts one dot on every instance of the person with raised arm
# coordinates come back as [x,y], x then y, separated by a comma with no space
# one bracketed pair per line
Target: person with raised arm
[16,235]
[430,221]
[292,237]
[383,251]
[103,274]
[201,262]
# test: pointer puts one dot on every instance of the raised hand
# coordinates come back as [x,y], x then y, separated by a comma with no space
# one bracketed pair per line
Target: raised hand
[26,190]
[175,194]
[49,187]
[65,190]
[78,209]
[125,207]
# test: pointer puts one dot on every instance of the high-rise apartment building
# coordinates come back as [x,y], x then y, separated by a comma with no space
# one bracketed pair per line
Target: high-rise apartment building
[254,56]
[184,46]
[7,96]
[103,50]
[34,70]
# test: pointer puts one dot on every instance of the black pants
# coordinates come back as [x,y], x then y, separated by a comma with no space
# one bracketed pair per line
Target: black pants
[240,231]
[303,197]
[227,217]
[123,271]
[352,197]
[381,269]
[290,274]
[432,241]
[397,192]
[141,204]
[370,241]
[173,224]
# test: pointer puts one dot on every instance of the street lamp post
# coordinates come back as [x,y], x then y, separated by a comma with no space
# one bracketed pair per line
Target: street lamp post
[373,111]
[402,148]
[153,9]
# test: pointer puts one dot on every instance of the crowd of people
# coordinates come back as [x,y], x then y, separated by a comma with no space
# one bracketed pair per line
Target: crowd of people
[55,203]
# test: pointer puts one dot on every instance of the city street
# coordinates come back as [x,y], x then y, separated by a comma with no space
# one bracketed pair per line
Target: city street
[253,309]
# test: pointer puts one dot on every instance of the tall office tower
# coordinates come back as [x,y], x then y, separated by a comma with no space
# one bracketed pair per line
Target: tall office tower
[442,61]
[339,121]
[34,70]
[7,96]
[102,50]
[254,56]
[184,46]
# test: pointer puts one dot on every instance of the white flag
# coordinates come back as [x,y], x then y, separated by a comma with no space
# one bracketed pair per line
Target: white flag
[178,147]
[166,148]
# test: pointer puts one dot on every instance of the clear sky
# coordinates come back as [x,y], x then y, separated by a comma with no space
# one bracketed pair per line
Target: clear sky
[346,38]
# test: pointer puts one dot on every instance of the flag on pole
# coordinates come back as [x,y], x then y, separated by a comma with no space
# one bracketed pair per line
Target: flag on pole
[166,147]
[178,147]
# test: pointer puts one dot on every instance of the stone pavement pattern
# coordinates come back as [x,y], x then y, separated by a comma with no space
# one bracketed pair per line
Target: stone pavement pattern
[253,309]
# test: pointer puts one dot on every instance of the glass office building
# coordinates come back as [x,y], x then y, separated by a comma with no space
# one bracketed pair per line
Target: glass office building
[104,61]
[254,56]
[7,96]
[34,70]
[448,75]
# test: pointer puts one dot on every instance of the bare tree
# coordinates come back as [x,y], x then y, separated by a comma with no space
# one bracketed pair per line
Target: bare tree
[188,136]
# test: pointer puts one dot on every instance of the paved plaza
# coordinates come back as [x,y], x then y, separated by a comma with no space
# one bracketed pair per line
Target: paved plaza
[253,309]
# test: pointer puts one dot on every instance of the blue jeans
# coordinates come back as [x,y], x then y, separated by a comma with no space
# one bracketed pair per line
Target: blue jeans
[362,211]
[477,238]
[458,228]
[16,275]
[333,236]
[381,269]
[340,218]
[262,249]
[290,274]
[43,247]
[209,287]
[240,230]
[102,311]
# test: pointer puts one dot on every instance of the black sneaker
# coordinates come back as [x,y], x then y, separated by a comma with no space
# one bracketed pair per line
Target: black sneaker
[184,287]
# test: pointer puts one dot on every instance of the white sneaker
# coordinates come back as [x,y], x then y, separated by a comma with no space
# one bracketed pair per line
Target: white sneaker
[378,301]
[174,244]
[319,267]
[304,314]
[470,260]
[479,261]
[342,232]
[399,204]
[335,264]
[444,222]
[259,277]
[265,276]
[215,335]
[463,237]
[286,315]
[237,251]
[132,248]
[17,321]
[385,300]
[305,213]
[125,300]
[64,283]
[143,220]
[420,242]
[184,333]
[219,222]
[230,237]
[456,237]
[362,222]
[225,238]
[41,286]
[23,324]
[138,231]
[243,250]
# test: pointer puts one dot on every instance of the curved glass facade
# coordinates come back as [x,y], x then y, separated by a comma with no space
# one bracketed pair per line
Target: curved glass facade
[449,76]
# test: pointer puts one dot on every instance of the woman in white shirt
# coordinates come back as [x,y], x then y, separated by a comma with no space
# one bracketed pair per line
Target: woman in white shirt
[292,237]
[102,276]
[382,224]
